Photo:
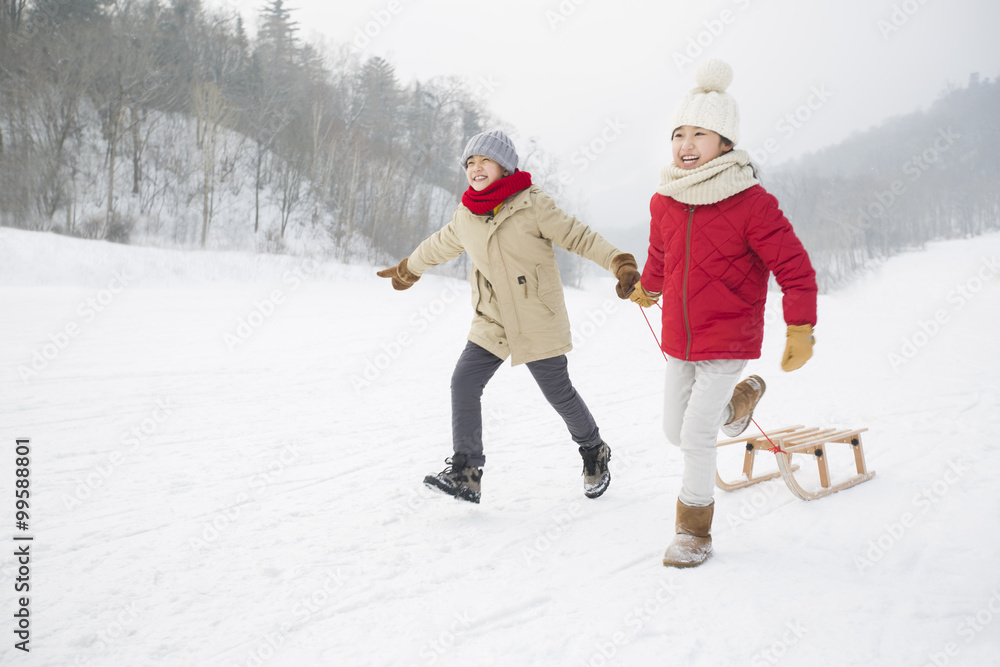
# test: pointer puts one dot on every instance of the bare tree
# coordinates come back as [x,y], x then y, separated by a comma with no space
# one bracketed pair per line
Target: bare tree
[213,113]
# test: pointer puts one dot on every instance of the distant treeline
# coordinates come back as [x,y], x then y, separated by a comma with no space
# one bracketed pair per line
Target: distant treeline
[161,120]
[914,178]
[115,114]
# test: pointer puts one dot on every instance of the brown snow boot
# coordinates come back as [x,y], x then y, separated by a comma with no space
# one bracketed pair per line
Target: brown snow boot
[692,544]
[746,395]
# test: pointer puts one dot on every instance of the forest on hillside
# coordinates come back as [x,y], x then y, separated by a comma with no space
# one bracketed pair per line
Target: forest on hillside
[914,178]
[148,119]
[162,122]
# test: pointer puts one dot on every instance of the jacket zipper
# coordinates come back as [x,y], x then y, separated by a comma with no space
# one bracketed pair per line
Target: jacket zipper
[517,315]
[684,292]
[489,221]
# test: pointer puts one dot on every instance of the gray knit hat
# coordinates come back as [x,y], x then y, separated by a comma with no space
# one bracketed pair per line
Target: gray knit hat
[709,105]
[495,145]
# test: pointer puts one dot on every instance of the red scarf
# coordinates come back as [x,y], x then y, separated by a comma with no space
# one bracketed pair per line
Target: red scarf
[484,201]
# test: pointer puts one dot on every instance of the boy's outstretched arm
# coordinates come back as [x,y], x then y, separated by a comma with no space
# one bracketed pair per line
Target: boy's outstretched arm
[442,246]
[573,236]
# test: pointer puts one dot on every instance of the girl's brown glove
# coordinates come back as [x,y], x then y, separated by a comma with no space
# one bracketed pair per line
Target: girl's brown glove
[642,297]
[401,276]
[798,347]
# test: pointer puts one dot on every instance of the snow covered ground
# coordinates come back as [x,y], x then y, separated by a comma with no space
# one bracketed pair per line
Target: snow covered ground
[227,455]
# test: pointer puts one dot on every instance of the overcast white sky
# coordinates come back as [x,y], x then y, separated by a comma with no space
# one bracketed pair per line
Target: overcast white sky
[606,74]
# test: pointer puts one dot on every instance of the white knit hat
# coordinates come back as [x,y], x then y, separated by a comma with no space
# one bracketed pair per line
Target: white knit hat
[709,105]
[495,145]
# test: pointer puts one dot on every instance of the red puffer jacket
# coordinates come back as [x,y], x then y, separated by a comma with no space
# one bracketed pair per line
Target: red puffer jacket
[712,264]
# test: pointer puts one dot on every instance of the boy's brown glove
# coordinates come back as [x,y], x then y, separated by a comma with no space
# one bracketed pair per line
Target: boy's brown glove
[401,276]
[642,297]
[624,268]
[798,347]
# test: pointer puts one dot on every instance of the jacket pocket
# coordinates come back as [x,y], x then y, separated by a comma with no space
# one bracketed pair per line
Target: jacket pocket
[483,302]
[550,291]
[731,302]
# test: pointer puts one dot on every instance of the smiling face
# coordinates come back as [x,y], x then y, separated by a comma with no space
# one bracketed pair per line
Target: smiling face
[483,172]
[695,146]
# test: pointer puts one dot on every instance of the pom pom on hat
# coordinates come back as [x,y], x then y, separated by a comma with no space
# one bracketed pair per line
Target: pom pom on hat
[714,76]
[709,105]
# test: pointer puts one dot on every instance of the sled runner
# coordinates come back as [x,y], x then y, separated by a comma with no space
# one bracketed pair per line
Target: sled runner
[799,439]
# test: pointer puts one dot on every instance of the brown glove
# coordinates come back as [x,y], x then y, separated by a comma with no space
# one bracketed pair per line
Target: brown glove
[625,269]
[642,297]
[401,276]
[798,347]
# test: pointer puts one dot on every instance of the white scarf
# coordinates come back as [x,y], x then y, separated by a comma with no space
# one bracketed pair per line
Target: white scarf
[719,179]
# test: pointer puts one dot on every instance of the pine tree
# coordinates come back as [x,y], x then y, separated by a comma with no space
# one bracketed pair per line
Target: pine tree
[277,43]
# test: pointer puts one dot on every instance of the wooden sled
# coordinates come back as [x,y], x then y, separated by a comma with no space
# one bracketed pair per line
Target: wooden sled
[799,439]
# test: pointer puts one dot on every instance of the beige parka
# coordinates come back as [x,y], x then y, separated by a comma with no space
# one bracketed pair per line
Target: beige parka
[517,293]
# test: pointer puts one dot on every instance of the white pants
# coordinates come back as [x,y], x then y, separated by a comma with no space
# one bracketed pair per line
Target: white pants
[695,405]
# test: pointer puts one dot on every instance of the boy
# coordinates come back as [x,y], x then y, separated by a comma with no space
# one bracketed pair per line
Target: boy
[508,226]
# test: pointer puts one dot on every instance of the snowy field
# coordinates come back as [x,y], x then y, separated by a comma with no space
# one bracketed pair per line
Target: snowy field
[227,453]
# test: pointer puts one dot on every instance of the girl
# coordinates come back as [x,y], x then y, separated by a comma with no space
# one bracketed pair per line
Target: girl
[508,226]
[715,237]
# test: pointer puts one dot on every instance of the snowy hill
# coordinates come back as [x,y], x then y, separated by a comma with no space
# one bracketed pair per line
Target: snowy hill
[227,452]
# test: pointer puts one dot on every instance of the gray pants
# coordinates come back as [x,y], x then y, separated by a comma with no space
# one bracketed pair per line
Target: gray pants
[473,371]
